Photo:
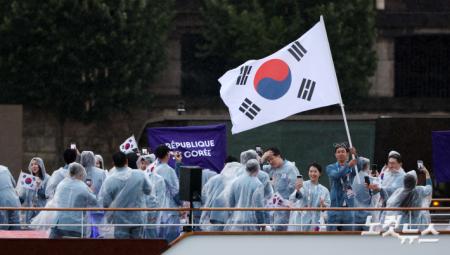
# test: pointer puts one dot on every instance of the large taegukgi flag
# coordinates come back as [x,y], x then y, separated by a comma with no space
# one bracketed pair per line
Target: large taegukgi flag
[297,78]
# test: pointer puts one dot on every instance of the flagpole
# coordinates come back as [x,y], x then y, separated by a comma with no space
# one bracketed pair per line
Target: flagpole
[349,140]
[341,104]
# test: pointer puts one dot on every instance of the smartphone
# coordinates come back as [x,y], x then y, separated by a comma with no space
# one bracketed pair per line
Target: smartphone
[419,165]
[89,182]
[299,177]
[367,179]
[144,151]
[73,146]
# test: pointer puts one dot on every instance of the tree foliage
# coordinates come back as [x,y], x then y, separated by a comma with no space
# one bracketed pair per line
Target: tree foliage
[238,30]
[81,59]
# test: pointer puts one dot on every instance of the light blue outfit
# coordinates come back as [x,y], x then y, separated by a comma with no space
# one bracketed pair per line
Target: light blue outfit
[126,188]
[96,175]
[284,179]
[34,198]
[215,195]
[341,194]
[210,193]
[72,193]
[308,196]
[57,176]
[8,198]
[206,175]
[170,233]
[364,198]
[262,176]
[246,192]
[411,196]
[391,180]
[156,199]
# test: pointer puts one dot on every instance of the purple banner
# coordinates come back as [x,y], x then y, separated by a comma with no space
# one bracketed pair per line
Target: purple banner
[204,146]
[441,155]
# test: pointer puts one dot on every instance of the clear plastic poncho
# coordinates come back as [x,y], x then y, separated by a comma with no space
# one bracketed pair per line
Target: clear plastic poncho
[309,195]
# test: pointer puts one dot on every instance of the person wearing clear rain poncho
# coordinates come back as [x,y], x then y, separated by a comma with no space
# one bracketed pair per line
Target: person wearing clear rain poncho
[157,197]
[8,198]
[171,193]
[125,188]
[37,197]
[263,177]
[391,176]
[412,195]
[72,192]
[214,196]
[309,194]
[367,194]
[246,192]
[70,155]
[284,175]
[94,176]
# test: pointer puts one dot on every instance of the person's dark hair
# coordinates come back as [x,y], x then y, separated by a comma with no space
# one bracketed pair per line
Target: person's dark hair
[132,160]
[316,165]
[341,145]
[70,155]
[119,159]
[275,151]
[161,151]
[231,159]
[396,157]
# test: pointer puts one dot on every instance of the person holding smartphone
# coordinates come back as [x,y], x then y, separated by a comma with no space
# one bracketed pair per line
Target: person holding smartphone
[308,194]
[366,194]
[412,195]
[94,176]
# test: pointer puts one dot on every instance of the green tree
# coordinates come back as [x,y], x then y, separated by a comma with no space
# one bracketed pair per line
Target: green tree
[81,59]
[238,30]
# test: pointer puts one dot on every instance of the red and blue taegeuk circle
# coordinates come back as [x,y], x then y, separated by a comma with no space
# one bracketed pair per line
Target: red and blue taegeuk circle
[273,79]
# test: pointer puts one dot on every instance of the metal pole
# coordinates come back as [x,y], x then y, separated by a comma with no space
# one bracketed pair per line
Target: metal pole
[82,227]
[341,103]
[349,140]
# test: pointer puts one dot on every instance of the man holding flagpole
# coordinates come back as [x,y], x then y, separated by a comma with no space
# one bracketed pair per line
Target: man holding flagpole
[341,175]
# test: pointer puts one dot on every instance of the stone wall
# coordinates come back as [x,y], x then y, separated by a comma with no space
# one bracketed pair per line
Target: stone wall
[11,150]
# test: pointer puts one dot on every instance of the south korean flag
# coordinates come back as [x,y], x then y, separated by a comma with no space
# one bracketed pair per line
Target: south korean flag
[297,78]
[129,145]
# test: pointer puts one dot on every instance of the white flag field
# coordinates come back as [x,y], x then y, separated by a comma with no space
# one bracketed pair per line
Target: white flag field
[129,145]
[27,181]
[297,78]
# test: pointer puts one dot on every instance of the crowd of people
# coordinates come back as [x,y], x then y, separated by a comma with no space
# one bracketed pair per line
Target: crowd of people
[257,180]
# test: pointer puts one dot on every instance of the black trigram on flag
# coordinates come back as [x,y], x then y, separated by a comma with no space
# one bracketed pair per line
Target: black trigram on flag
[249,109]
[297,50]
[306,89]
[243,75]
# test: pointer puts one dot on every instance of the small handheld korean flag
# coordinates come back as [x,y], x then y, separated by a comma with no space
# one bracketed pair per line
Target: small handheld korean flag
[27,181]
[129,145]
[297,78]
